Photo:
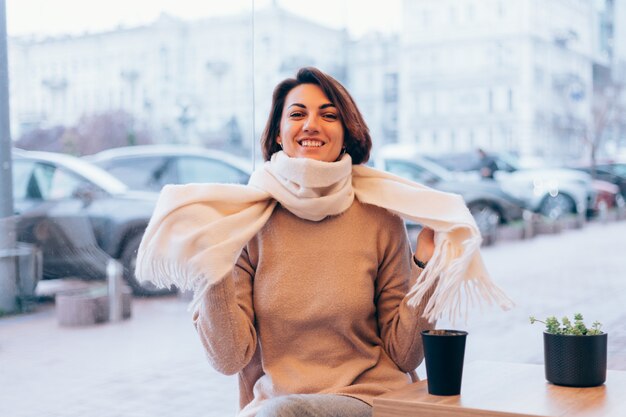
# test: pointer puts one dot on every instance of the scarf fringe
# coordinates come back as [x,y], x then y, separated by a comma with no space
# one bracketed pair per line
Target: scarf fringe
[454,293]
[167,274]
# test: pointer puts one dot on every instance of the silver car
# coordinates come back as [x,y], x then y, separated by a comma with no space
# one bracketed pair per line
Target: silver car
[150,167]
[552,192]
[488,203]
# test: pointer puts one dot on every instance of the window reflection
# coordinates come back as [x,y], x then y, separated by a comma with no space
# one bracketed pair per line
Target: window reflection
[524,76]
[197,170]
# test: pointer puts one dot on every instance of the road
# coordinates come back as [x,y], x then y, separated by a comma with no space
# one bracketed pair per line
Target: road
[153,364]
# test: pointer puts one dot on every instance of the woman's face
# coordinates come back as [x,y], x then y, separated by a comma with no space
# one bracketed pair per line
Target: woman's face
[310,126]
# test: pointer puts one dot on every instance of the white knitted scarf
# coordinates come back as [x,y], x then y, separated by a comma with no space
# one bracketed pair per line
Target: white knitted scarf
[197,231]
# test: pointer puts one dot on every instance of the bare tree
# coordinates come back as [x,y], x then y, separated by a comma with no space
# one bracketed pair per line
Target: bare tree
[92,133]
[608,114]
[42,140]
[98,132]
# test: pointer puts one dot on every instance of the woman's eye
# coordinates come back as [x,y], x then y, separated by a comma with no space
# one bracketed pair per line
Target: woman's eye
[296,114]
[330,116]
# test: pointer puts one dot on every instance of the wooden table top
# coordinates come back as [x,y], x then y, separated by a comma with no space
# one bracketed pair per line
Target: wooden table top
[493,389]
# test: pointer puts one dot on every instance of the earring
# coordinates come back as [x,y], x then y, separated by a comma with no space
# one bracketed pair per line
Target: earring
[280,144]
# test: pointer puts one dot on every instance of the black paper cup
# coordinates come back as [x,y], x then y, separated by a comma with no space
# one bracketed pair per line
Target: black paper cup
[444,351]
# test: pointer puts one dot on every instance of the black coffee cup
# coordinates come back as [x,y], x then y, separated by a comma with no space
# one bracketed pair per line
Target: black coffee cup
[444,351]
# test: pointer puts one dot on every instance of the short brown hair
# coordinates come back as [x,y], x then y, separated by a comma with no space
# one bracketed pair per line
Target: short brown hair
[356,136]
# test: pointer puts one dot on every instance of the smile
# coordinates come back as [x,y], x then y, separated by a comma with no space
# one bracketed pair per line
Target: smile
[311,143]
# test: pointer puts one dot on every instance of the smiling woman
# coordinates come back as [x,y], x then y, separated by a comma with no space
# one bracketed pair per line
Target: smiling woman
[313,116]
[317,273]
[310,126]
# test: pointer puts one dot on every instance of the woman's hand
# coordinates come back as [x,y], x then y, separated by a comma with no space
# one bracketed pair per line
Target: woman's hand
[425,245]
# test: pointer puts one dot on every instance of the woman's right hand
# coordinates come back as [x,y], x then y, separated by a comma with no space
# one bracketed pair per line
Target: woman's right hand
[425,245]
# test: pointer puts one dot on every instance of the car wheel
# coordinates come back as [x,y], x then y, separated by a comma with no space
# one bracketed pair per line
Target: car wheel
[487,218]
[129,261]
[555,207]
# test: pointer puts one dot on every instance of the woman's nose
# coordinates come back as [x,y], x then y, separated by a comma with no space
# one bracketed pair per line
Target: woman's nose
[310,124]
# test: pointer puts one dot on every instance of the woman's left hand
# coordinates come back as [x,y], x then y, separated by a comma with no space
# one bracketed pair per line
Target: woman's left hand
[425,245]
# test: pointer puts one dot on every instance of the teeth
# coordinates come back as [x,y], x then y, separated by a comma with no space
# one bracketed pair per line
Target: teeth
[314,143]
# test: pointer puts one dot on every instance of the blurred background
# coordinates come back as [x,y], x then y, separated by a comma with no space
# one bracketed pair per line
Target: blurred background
[161,92]
[110,101]
[539,79]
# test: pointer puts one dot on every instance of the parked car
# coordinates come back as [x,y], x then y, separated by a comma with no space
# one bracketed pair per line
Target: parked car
[553,192]
[611,171]
[488,203]
[80,216]
[150,167]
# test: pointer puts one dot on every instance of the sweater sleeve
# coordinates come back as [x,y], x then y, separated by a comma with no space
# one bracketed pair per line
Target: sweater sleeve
[224,319]
[400,324]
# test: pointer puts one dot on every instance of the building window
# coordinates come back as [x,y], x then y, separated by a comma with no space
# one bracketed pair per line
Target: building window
[391,87]
[426,16]
[452,13]
[510,99]
[469,12]
[539,76]
[500,9]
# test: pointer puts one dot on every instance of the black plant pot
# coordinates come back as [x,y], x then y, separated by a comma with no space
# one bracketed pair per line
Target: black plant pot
[575,361]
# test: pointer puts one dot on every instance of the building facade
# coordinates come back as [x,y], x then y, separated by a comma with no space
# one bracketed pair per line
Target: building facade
[373,82]
[460,74]
[205,82]
[502,75]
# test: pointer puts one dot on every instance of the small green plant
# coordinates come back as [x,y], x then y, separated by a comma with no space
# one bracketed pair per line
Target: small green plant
[566,327]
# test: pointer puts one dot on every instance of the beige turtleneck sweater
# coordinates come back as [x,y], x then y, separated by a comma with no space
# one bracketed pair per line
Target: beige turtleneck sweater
[317,307]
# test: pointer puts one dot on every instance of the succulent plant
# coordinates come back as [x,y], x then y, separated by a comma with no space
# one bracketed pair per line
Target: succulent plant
[566,327]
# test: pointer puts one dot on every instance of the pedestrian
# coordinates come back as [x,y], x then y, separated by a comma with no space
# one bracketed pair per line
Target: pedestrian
[305,282]
[488,165]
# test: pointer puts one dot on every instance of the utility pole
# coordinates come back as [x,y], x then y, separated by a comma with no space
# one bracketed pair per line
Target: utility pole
[8,281]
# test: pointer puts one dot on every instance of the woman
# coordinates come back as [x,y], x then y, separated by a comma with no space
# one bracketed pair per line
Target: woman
[306,286]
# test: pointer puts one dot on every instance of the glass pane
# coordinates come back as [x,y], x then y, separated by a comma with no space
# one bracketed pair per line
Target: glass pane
[57,183]
[192,170]
[142,173]
[406,170]
[24,184]
[434,76]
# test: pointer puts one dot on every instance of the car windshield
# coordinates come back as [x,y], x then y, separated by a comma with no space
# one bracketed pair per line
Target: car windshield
[457,162]
[510,160]
[96,175]
[620,169]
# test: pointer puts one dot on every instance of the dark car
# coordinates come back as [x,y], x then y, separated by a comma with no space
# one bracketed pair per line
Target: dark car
[486,200]
[551,191]
[150,167]
[80,216]
[610,171]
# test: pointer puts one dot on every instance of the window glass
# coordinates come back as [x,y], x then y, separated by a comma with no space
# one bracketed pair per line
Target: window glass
[441,77]
[208,170]
[409,171]
[619,169]
[146,173]
[56,183]
[24,184]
